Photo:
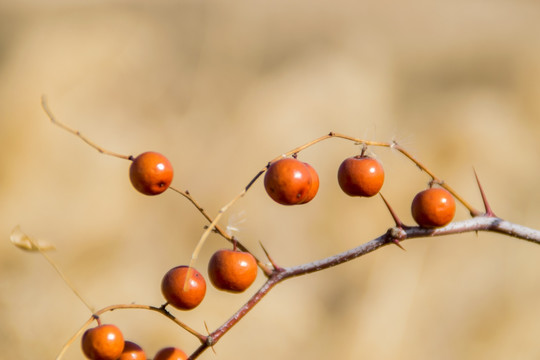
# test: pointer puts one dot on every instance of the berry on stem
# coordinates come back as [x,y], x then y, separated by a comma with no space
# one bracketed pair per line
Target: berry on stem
[170,353]
[288,181]
[151,173]
[360,176]
[232,270]
[183,298]
[103,342]
[132,351]
[433,207]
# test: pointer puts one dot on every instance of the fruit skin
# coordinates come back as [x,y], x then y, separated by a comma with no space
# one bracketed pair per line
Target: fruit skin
[151,173]
[433,207]
[132,351]
[103,342]
[360,176]
[314,188]
[170,353]
[231,270]
[288,181]
[172,287]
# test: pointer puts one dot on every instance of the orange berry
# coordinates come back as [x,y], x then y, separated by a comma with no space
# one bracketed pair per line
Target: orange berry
[170,353]
[433,207]
[288,181]
[103,342]
[132,351]
[314,184]
[172,287]
[151,173]
[231,270]
[360,176]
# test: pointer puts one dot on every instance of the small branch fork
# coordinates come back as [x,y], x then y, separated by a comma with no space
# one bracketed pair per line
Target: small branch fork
[480,221]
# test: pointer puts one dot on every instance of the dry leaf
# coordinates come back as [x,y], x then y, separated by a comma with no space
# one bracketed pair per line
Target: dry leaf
[23,241]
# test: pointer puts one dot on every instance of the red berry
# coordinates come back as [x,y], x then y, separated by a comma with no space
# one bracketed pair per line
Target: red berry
[433,207]
[172,287]
[104,342]
[360,176]
[151,173]
[232,270]
[288,181]
[314,184]
[132,351]
[170,353]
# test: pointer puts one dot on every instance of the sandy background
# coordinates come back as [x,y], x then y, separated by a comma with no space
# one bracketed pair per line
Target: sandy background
[223,87]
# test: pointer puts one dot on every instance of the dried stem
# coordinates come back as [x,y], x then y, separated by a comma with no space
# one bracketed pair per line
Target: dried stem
[220,230]
[434,178]
[77,133]
[66,280]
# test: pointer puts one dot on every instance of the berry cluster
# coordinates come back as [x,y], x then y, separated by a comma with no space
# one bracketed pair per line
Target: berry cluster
[106,342]
[287,181]
[184,288]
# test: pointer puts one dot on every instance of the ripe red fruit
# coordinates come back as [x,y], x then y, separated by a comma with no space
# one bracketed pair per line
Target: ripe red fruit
[151,173]
[172,287]
[289,181]
[360,176]
[433,207]
[103,342]
[231,270]
[132,351]
[170,353]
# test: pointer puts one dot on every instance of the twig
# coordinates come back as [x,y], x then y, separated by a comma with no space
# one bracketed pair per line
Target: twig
[77,133]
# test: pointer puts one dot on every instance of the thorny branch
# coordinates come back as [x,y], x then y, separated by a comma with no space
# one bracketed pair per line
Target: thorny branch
[480,221]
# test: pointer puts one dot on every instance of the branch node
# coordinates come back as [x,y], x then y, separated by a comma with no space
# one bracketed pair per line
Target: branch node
[395,235]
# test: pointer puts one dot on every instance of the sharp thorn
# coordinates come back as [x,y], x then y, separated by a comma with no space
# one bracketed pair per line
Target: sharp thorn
[396,241]
[489,211]
[276,267]
[398,222]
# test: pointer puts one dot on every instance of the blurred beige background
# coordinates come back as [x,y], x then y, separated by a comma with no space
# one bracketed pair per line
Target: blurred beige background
[223,87]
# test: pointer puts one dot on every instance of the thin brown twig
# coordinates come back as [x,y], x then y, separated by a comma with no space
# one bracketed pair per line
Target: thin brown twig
[434,178]
[267,271]
[77,133]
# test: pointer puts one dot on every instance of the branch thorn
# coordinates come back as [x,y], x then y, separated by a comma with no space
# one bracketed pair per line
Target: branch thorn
[209,339]
[398,222]
[276,267]
[489,212]
[396,241]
